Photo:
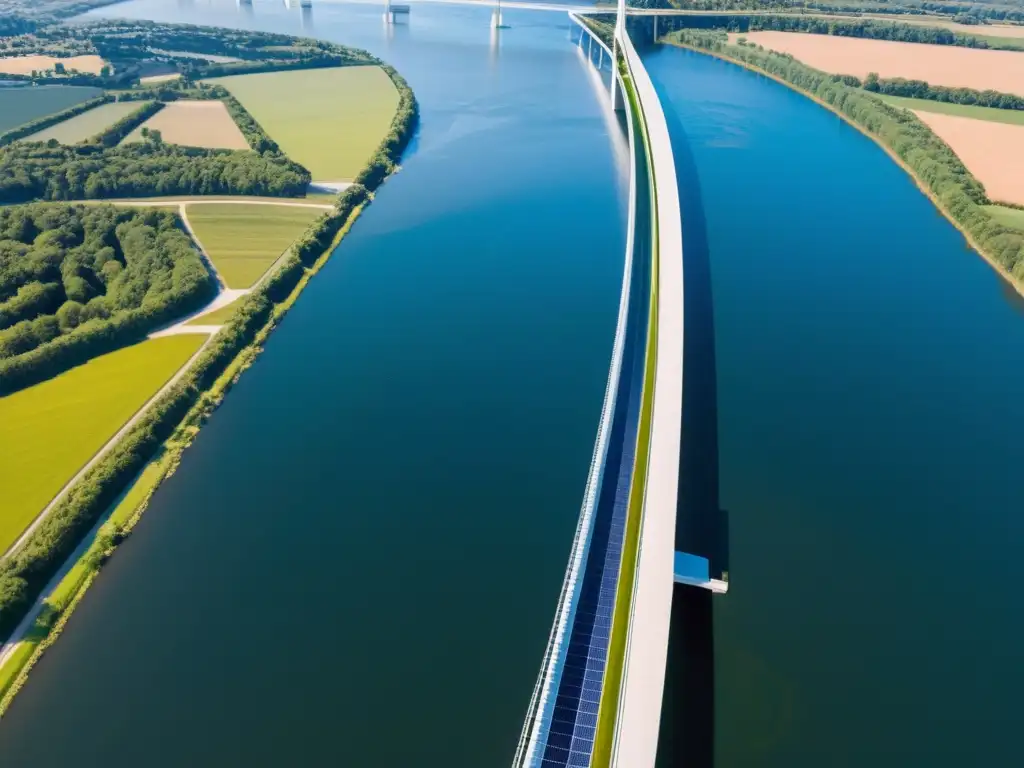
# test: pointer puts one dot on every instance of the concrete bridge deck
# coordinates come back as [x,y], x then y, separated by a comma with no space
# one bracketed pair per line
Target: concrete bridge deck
[598,698]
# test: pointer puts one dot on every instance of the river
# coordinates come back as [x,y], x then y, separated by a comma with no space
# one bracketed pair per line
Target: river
[869,421]
[358,561]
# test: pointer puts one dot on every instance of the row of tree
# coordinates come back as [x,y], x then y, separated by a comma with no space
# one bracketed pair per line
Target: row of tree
[919,89]
[931,160]
[33,171]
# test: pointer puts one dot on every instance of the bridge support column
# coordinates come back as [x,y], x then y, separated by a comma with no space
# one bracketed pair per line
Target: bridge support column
[655,29]
[496,21]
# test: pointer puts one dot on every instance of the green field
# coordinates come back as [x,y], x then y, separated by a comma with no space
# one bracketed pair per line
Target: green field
[329,120]
[88,124]
[49,431]
[991,114]
[22,105]
[217,317]
[1008,217]
[244,240]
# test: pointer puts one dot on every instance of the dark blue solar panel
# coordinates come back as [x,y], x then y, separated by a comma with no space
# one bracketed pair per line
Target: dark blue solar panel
[570,740]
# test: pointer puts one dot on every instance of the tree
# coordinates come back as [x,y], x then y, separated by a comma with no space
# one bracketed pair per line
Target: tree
[69,315]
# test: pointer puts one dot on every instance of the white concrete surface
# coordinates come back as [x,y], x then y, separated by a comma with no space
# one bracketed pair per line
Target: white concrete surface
[639,717]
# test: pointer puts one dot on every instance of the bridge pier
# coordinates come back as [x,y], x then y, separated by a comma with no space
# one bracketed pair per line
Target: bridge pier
[496,21]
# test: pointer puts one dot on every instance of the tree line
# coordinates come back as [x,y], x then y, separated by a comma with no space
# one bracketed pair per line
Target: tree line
[79,281]
[919,89]
[34,171]
[954,188]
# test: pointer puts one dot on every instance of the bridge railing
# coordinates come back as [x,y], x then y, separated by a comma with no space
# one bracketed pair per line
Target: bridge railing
[538,721]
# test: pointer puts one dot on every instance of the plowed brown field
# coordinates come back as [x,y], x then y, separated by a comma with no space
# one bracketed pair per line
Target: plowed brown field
[195,124]
[936,64]
[993,152]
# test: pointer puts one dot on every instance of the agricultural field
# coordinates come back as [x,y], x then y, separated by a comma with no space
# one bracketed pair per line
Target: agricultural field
[244,240]
[22,105]
[194,124]
[217,317]
[1008,217]
[329,120]
[49,431]
[993,152]
[26,65]
[88,124]
[936,64]
[1010,116]
[166,78]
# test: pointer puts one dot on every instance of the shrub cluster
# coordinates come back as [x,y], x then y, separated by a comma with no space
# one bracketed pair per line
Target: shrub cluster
[78,281]
[930,159]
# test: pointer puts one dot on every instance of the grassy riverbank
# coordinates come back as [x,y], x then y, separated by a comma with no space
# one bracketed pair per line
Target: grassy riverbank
[149,452]
[913,146]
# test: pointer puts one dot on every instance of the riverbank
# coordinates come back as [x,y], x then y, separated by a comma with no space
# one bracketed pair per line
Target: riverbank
[172,423]
[1015,283]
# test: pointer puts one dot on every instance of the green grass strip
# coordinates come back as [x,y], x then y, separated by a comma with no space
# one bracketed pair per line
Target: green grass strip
[611,692]
[989,114]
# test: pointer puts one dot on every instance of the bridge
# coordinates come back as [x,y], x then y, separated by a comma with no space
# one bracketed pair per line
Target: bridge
[597,700]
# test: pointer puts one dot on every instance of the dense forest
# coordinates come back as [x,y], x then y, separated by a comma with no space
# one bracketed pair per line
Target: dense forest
[79,280]
[931,160]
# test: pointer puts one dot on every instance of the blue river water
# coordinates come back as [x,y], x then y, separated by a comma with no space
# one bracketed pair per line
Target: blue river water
[869,420]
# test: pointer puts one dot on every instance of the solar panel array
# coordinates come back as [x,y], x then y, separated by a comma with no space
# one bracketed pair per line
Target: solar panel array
[570,738]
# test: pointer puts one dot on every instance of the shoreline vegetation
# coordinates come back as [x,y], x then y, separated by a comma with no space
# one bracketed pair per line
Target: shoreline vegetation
[936,170]
[149,452]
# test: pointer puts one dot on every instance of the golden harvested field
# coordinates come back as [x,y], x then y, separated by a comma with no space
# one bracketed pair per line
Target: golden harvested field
[24,65]
[195,124]
[993,152]
[49,431]
[936,64]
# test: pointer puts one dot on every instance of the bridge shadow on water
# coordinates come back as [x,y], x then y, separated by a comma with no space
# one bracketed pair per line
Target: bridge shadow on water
[687,733]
